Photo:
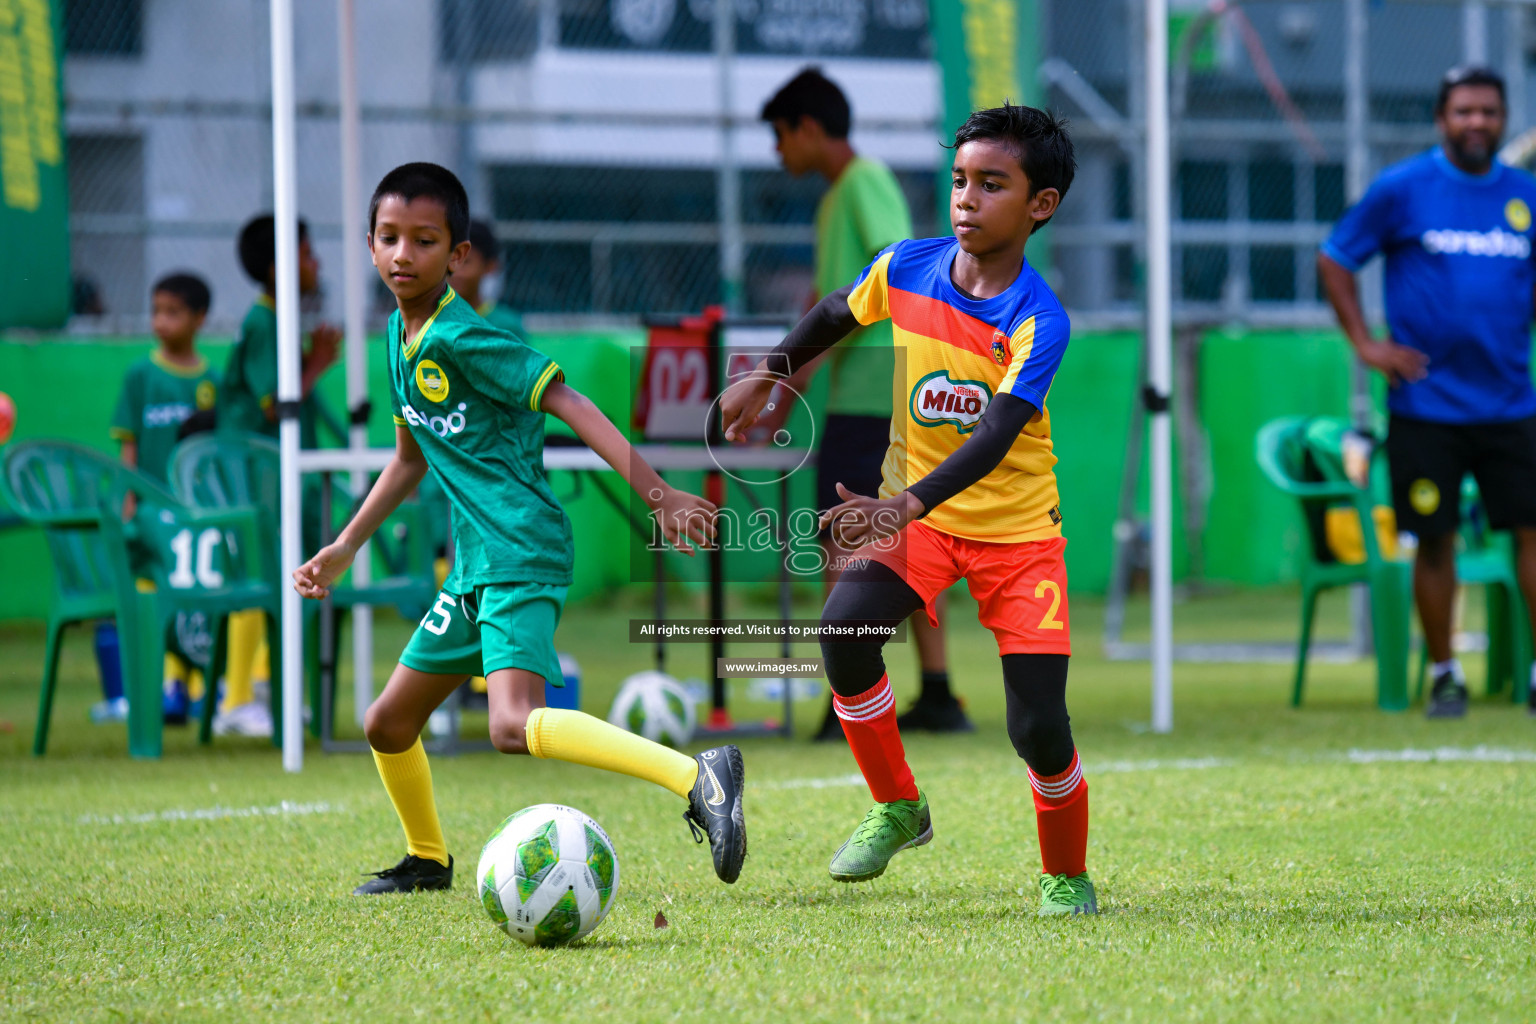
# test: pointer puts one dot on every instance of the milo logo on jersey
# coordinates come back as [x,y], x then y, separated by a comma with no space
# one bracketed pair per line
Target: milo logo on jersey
[937,400]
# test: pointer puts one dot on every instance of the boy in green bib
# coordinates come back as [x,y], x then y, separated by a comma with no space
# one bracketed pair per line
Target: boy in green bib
[165,388]
[469,402]
[160,393]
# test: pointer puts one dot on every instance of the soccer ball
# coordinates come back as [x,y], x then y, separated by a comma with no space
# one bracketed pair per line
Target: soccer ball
[656,706]
[548,875]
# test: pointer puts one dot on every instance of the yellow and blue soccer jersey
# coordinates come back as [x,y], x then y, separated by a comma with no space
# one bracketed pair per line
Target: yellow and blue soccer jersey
[469,394]
[954,354]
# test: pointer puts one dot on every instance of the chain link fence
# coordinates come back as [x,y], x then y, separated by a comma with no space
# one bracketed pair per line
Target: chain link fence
[590,133]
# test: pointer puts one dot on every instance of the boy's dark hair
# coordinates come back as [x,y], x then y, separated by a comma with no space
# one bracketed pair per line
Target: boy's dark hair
[1039,139]
[814,95]
[483,240]
[1468,74]
[189,288]
[426,181]
[258,246]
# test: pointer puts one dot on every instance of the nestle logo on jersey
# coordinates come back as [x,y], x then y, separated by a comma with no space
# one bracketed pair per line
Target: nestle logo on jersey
[1497,242]
[937,399]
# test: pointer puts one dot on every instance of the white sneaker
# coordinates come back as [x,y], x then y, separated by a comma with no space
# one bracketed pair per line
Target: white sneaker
[253,719]
[104,712]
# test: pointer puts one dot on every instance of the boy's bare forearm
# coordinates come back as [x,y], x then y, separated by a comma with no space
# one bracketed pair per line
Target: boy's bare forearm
[597,432]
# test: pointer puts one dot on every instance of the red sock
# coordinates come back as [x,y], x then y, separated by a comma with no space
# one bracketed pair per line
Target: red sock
[1061,816]
[869,722]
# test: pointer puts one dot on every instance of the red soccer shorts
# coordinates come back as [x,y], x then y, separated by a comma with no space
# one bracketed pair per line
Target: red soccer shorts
[1021,587]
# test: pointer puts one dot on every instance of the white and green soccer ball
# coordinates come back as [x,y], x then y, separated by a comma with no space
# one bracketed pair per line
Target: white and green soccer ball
[548,875]
[654,705]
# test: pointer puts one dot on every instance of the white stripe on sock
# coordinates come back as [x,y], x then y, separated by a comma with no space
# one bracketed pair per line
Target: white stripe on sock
[864,711]
[1062,787]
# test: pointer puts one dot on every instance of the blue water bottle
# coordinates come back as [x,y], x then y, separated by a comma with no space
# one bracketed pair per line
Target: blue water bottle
[568,696]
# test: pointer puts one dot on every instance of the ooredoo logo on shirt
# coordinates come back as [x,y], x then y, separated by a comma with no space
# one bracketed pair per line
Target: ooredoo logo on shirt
[937,399]
[1497,242]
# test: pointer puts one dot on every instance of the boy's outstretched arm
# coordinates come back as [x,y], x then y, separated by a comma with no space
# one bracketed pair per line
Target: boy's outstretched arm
[829,322]
[683,516]
[315,577]
[860,519]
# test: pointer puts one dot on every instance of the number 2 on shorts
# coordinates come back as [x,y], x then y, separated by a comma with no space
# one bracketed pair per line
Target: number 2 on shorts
[1050,621]
[439,628]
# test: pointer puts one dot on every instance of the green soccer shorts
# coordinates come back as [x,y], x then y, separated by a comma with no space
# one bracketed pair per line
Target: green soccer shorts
[499,625]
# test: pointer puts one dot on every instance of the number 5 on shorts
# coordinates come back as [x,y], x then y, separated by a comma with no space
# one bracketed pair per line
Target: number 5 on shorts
[1050,621]
[441,627]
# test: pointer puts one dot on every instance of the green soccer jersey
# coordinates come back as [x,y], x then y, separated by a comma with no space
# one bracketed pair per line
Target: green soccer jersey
[158,396]
[863,212]
[469,394]
[250,379]
[502,316]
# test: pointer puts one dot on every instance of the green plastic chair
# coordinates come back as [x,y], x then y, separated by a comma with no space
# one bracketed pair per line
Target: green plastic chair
[77,495]
[1487,560]
[59,487]
[1298,458]
[206,561]
[222,470]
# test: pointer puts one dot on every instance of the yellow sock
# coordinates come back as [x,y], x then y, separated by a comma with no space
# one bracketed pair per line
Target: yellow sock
[408,780]
[195,684]
[262,667]
[246,633]
[581,739]
[174,668]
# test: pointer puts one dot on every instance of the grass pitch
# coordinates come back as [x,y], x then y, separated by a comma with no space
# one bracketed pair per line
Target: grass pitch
[1332,863]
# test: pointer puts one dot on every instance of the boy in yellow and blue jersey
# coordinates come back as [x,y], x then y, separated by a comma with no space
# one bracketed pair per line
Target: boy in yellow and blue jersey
[862,212]
[469,402]
[968,490]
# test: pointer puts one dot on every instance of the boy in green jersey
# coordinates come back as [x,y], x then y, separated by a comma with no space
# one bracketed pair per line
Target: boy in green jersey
[160,393]
[249,399]
[484,261]
[162,390]
[469,402]
[862,212]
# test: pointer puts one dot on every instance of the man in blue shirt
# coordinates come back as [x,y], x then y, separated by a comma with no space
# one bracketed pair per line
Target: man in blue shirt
[1455,229]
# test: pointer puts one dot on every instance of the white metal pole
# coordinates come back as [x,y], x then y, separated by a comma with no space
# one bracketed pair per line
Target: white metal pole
[1160,358]
[732,250]
[354,292]
[1357,170]
[285,211]
[1514,69]
[1474,32]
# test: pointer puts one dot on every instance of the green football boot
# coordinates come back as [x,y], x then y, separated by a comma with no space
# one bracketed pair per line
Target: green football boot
[885,831]
[1062,895]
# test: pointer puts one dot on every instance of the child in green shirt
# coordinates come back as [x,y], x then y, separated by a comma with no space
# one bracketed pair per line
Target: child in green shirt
[249,400]
[484,261]
[160,393]
[469,402]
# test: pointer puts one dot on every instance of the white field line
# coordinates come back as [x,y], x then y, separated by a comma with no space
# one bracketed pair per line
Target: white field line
[1498,755]
[1179,764]
[285,809]
[835,782]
